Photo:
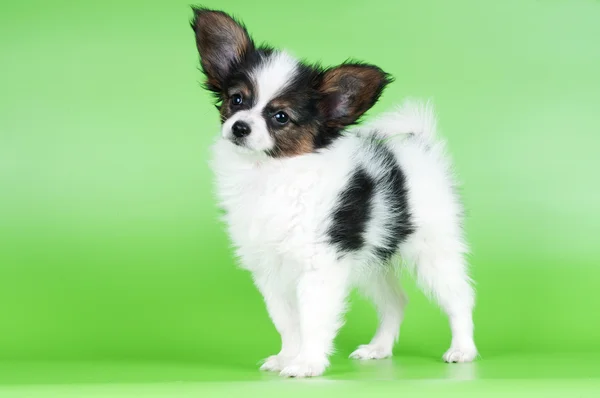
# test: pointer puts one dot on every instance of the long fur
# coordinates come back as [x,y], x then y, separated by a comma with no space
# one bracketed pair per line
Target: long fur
[317,220]
[278,211]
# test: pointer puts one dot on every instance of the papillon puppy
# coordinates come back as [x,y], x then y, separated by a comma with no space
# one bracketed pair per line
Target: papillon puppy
[315,207]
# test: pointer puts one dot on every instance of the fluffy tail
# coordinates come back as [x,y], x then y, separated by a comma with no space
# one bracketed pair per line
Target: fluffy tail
[410,117]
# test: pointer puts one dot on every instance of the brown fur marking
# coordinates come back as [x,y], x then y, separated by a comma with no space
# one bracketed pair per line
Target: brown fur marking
[293,140]
[352,90]
[221,41]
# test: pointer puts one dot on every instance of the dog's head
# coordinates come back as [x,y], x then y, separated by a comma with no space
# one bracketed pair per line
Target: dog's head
[269,101]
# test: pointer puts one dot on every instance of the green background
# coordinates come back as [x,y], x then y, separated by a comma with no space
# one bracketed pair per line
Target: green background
[115,269]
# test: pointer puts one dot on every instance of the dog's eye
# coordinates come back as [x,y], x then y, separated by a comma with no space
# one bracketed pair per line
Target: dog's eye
[236,99]
[281,117]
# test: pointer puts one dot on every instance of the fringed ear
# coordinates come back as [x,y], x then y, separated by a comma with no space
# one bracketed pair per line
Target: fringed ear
[349,90]
[221,42]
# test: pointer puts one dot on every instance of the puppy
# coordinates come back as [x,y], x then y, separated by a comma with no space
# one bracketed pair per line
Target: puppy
[315,207]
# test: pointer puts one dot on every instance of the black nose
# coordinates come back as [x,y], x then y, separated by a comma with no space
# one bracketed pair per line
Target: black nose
[240,129]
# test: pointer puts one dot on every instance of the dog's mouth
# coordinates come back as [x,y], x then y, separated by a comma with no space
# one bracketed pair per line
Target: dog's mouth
[238,141]
[241,145]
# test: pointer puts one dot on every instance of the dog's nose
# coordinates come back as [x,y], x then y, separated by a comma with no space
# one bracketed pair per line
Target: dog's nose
[240,129]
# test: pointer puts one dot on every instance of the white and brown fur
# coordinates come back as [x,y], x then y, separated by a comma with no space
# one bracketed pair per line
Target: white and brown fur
[315,207]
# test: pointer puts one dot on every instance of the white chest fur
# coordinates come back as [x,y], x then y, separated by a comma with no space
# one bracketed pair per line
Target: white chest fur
[276,208]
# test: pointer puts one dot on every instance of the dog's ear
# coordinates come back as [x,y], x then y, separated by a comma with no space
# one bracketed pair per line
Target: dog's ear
[222,42]
[349,90]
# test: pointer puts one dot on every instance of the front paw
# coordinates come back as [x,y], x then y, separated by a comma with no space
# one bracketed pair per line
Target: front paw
[460,353]
[274,363]
[300,367]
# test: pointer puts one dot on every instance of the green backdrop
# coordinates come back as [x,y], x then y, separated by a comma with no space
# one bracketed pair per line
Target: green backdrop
[114,267]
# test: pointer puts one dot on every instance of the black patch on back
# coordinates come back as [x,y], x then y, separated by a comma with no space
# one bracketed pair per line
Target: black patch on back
[352,213]
[392,185]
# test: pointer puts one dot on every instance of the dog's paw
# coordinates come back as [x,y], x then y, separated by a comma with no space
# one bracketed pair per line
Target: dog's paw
[304,368]
[459,353]
[368,351]
[274,363]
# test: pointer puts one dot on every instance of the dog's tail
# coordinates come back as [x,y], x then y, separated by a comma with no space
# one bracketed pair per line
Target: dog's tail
[411,117]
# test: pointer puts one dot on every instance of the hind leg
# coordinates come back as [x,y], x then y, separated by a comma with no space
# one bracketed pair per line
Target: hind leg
[441,271]
[389,299]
